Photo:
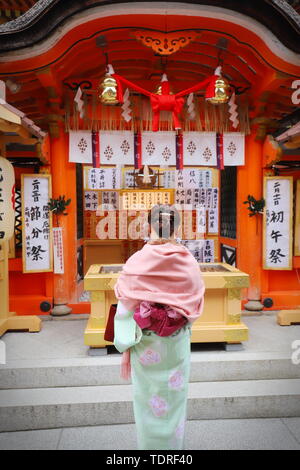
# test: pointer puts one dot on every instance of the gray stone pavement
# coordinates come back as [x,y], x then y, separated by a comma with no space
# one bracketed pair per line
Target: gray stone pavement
[64,340]
[227,434]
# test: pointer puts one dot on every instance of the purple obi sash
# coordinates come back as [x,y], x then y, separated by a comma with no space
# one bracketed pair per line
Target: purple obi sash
[163,320]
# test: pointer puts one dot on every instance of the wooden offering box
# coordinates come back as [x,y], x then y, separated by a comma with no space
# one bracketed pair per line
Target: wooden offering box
[219,322]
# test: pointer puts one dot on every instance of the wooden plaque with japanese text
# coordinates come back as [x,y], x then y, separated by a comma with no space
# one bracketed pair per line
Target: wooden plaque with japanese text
[37,250]
[278,223]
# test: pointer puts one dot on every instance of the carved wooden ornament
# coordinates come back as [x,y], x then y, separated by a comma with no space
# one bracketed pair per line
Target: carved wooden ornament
[165,43]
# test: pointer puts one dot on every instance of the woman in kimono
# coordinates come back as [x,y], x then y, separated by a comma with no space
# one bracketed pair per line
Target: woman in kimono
[160,293]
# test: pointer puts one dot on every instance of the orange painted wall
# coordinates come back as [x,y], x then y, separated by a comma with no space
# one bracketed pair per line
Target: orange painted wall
[28,290]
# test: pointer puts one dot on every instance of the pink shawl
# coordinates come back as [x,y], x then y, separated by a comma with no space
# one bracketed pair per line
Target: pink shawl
[163,273]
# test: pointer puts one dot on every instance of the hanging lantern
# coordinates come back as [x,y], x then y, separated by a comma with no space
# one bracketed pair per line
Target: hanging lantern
[158,90]
[109,93]
[7,199]
[163,88]
[221,94]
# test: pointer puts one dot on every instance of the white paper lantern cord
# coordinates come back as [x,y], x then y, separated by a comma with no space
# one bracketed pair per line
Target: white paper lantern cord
[126,107]
[234,117]
[191,106]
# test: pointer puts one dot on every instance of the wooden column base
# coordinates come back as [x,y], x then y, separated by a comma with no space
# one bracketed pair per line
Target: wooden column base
[287,317]
[31,323]
[94,334]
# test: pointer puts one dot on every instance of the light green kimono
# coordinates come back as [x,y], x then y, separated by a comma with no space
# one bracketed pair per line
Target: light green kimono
[160,375]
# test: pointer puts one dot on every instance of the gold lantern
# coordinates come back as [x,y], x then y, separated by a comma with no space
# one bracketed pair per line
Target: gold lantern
[158,90]
[109,93]
[221,91]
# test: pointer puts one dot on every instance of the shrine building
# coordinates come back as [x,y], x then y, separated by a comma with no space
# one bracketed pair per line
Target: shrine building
[108,108]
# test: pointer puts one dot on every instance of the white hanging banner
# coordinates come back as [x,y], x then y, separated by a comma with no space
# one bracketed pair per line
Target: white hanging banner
[209,251]
[205,178]
[202,197]
[159,148]
[36,234]
[213,222]
[169,179]
[200,220]
[202,250]
[90,200]
[58,251]
[180,196]
[179,179]
[80,147]
[278,222]
[213,212]
[109,200]
[189,196]
[116,147]
[199,148]
[129,178]
[234,148]
[193,178]
[195,247]
[212,198]
[104,178]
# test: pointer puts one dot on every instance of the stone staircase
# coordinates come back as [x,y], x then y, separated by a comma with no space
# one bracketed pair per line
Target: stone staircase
[87,391]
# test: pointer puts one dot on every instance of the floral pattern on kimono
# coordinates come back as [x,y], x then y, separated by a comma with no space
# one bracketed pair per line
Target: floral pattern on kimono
[159,406]
[149,357]
[176,380]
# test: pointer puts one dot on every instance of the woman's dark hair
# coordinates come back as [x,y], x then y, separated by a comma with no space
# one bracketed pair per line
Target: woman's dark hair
[164,219]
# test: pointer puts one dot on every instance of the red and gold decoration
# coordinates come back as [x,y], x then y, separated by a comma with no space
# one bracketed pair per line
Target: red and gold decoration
[159,110]
[165,43]
[108,95]
[167,101]
[220,95]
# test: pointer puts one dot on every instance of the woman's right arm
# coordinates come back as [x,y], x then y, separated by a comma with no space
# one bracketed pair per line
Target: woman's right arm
[127,332]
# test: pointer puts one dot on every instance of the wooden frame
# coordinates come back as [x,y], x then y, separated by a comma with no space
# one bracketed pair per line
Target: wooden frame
[50,268]
[12,247]
[290,265]
[221,318]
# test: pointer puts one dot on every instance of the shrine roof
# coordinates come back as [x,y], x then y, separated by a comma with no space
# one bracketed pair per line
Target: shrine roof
[58,44]
[45,16]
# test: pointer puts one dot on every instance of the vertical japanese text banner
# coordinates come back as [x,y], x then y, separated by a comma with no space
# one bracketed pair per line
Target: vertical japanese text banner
[37,223]
[58,251]
[278,222]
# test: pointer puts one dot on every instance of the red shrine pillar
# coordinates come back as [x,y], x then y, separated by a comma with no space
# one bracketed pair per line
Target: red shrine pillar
[64,183]
[249,255]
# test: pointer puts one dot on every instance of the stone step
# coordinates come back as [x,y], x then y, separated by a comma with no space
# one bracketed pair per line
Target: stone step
[105,370]
[46,408]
